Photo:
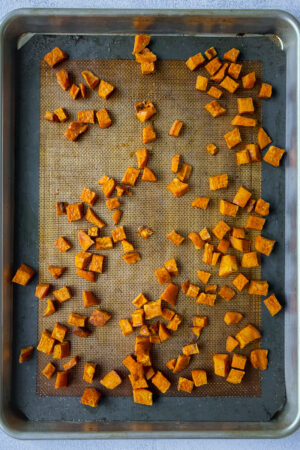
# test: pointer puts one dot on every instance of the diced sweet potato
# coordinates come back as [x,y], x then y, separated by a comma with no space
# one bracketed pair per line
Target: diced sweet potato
[175,163]
[117,214]
[178,188]
[233,138]
[104,243]
[147,67]
[91,80]
[111,380]
[99,318]
[193,290]
[232,55]
[218,182]
[190,349]
[221,364]
[118,234]
[258,287]
[108,187]
[184,172]
[228,265]
[215,92]
[82,88]
[61,350]
[74,212]
[25,354]
[163,333]
[242,157]
[82,332]
[229,84]
[274,155]
[89,299]
[215,258]
[84,239]
[203,276]
[265,90]
[174,322]
[240,282]
[90,397]
[88,196]
[142,396]
[231,344]
[201,83]
[238,361]
[87,116]
[144,232]
[149,134]
[63,294]
[42,290]
[144,110]
[210,53]
[249,80]
[245,105]
[176,238]
[50,309]
[152,309]
[238,232]
[56,271]
[103,118]
[170,294]
[223,245]
[82,259]
[208,254]
[206,299]
[242,121]
[23,275]
[220,74]
[262,207]
[213,66]
[161,382]
[210,288]
[163,276]
[61,208]
[138,318]
[77,320]
[61,380]
[70,364]
[201,202]
[259,359]
[127,246]
[254,152]
[55,56]
[105,89]
[234,70]
[49,370]
[215,109]
[59,332]
[205,235]
[249,260]
[232,317]
[148,175]
[273,305]
[181,363]
[167,313]
[112,203]
[171,267]
[194,61]
[89,372]
[63,244]
[142,156]
[196,240]
[140,42]
[139,301]
[145,56]
[132,257]
[242,245]
[199,377]
[212,149]
[130,177]
[171,364]
[235,376]
[247,335]
[142,350]
[74,91]
[184,384]
[263,139]
[221,229]
[255,223]
[227,293]
[228,209]
[63,80]
[126,327]
[176,128]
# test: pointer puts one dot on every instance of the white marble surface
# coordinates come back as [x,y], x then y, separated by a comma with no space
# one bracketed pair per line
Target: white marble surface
[291,442]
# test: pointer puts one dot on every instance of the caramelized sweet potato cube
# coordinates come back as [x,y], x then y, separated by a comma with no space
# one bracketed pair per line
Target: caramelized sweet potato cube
[84,239]
[61,380]
[231,344]
[144,110]
[116,216]
[249,80]
[152,309]
[89,299]
[61,208]
[211,289]
[205,235]
[81,332]
[199,377]
[87,116]
[61,350]
[103,117]
[163,333]
[108,187]
[138,318]
[86,275]
[215,92]
[148,175]
[92,217]
[178,188]
[49,370]
[259,358]
[56,271]
[144,331]
[215,109]
[175,163]
[25,354]
[203,276]
[196,240]
[118,234]
[88,196]
[223,245]
[228,209]
[229,84]
[234,70]
[206,299]
[46,343]
[232,55]
[191,349]
[238,361]
[210,53]
[265,91]
[245,105]
[235,376]
[247,335]
[105,89]
[201,202]
[126,327]
[89,372]
[181,363]
[50,309]
[238,232]
[142,396]
[162,275]
[176,238]
[161,382]
[176,128]
[262,207]
[147,68]
[274,155]
[208,254]
[227,293]
[174,322]
[195,61]
[232,317]
[221,364]
[193,291]
[64,81]
[228,265]
[74,130]
[197,331]
[91,80]
[111,380]
[72,363]
[184,384]
[249,260]
[104,243]
[273,305]
[254,152]
[82,88]
[240,282]
[90,397]
[77,320]
[55,56]
[74,211]
[242,157]
[167,313]
[220,74]
[218,182]
[233,138]
[63,294]
[242,245]
[171,364]
[74,91]
[170,294]
[149,134]
[99,318]
[263,139]
[201,83]
[140,42]
[212,149]
[130,177]
[255,223]
[144,232]
[139,301]
[63,244]
[258,287]
[82,259]
[132,257]
[213,66]
[142,156]
[171,267]
[23,275]
[145,56]
[142,350]
[112,203]
[242,121]
[42,290]
[242,197]
[184,172]
[127,246]
[221,229]
[215,258]
[59,332]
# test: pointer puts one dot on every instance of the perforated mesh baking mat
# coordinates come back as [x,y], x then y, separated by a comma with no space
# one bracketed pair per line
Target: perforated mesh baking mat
[67,167]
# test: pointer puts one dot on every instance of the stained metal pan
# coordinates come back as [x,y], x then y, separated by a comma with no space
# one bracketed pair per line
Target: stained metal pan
[27,416]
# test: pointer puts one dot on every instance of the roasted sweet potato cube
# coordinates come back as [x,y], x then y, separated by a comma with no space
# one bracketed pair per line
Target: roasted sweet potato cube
[221,364]
[213,66]
[77,320]
[103,117]
[87,116]
[223,245]
[56,271]
[232,55]
[130,177]
[228,265]
[262,207]
[89,299]
[144,232]
[235,376]
[70,364]
[84,239]
[88,196]
[229,84]
[74,130]
[201,202]
[162,275]
[205,234]
[147,67]
[42,290]
[203,276]
[215,258]
[240,282]
[127,246]
[176,238]
[171,267]
[145,56]
[132,257]
[118,234]
[218,182]
[61,380]
[176,128]
[231,344]
[184,172]
[242,157]
[201,83]
[99,318]
[274,155]
[149,134]
[111,380]
[249,80]
[63,80]
[126,327]
[104,243]
[82,88]
[142,156]
[25,354]
[96,264]
[142,396]
[178,188]
[140,42]
[81,332]
[170,294]
[139,301]
[163,333]
[242,121]
[184,384]
[149,372]
[199,377]
[92,217]
[50,309]
[233,138]
[142,350]
[152,309]
[234,70]
[154,339]
[265,91]
[49,370]
[181,363]
[238,361]
[116,216]
[90,397]
[63,244]
[193,290]
[254,152]
[238,232]
[212,149]
[74,211]
[196,240]
[249,260]
[220,74]
[91,80]
[200,321]
[171,364]
[138,318]
[273,305]
[210,53]
[108,187]
[242,197]
[210,288]
[82,259]
[194,61]
[63,294]
[263,139]
[175,163]
[242,245]
[59,332]
[74,91]
[206,299]
[148,175]
[55,56]
[89,372]
[228,209]
[167,313]
[259,358]
[245,105]
[258,287]
[255,223]
[227,293]
[215,92]
[232,317]
[105,89]
[174,322]
[215,109]
[190,349]
[61,350]
[247,335]
[161,382]
[221,229]
[23,275]
[144,110]
[208,254]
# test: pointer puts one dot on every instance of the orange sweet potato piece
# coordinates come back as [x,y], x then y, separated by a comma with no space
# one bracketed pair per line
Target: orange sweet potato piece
[218,182]
[193,290]
[61,350]
[231,344]
[23,275]
[142,156]
[42,290]
[142,396]
[59,332]
[63,79]
[205,235]
[228,265]
[144,110]
[233,138]
[208,254]
[175,163]
[242,197]
[99,318]
[139,301]
[103,117]
[223,245]
[74,211]
[167,313]
[92,217]
[46,343]
[163,333]
[235,376]
[181,363]
[111,380]
[63,294]
[255,223]
[89,299]
[259,358]
[262,207]
[215,92]
[147,67]
[201,83]
[234,70]
[126,327]
[152,309]
[49,370]
[176,128]
[176,238]
[90,397]
[91,80]
[201,202]
[81,332]
[89,372]
[171,364]
[221,364]
[242,121]
[88,196]
[127,246]
[161,382]
[25,354]
[238,232]
[212,149]
[74,91]
[206,299]
[72,363]
[56,271]
[144,232]
[108,186]
[232,55]
[132,257]
[228,209]
[242,157]
[203,276]
[249,260]
[215,109]
[63,244]
[227,293]
[82,259]
[112,203]
[247,335]
[220,74]
[273,305]
[258,287]
[104,243]
[238,361]
[145,56]
[149,134]
[242,245]
[178,188]
[274,155]
[213,66]
[184,172]
[140,42]
[174,322]
[171,267]
[86,275]
[82,88]
[195,61]
[249,80]
[210,289]
[138,318]
[96,264]
[254,152]
[55,56]
[190,349]
[130,177]
[210,53]
[148,175]
[196,240]
[61,380]
[263,139]
[221,229]
[199,377]
[245,105]
[105,89]
[265,91]
[84,239]
[240,282]
[232,317]
[87,116]
[50,309]
[118,234]
[229,84]
[77,320]
[184,384]
[170,294]
[61,208]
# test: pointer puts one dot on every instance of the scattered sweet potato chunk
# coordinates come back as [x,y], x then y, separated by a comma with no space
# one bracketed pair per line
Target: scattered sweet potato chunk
[181,363]
[61,208]
[63,294]
[145,56]
[140,42]
[249,260]
[171,364]
[176,238]
[72,363]
[194,61]
[49,370]
[176,128]
[255,223]
[92,217]
[242,197]
[25,354]
[152,309]
[178,188]
[59,332]
[201,83]
[81,332]
[227,293]
[171,267]
[89,372]
[228,265]
[242,157]
[259,359]
[184,384]
[234,70]
[184,172]
[149,134]
[130,177]
[240,282]
[193,291]
[242,245]
[196,240]
[229,84]
[213,66]
[238,361]
[232,317]
[206,299]
[175,163]
[170,294]
[235,376]
[274,155]
[191,349]
[103,117]
[232,55]
[118,234]
[263,139]
[96,264]
[215,109]
[142,396]
[23,275]
[221,364]
[161,382]
[74,91]
[86,275]
[273,305]
[258,287]
[265,91]
[147,67]
[262,207]
[233,138]
[245,105]
[46,343]
[249,80]
[77,320]
[89,299]
[212,149]
[90,397]
[218,182]
[84,239]
[167,313]
[63,244]
[108,187]
[99,318]
[42,290]
[105,89]
[221,229]
[111,380]
[138,318]
[203,276]
[50,309]
[148,175]
[199,377]
[215,92]
[132,257]
[74,211]
[208,254]
[228,209]
[82,88]
[210,53]
[91,80]
[254,152]
[61,380]
[231,344]
[142,156]
[55,57]
[112,203]
[61,350]
[127,246]
[220,74]
[247,335]
[126,327]
[223,245]
[82,259]
[174,322]
[63,79]
[242,121]
[144,110]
